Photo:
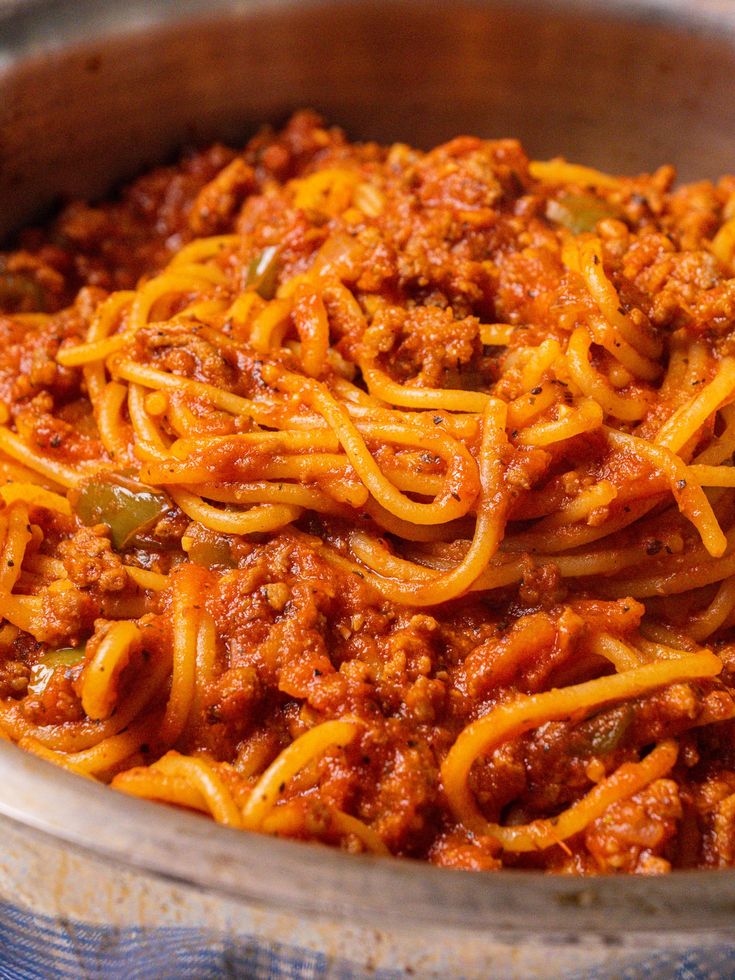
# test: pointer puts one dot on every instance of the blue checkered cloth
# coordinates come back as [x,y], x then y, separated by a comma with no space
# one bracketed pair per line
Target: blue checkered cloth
[36,947]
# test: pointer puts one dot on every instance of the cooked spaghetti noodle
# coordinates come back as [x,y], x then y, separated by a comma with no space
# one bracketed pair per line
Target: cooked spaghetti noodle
[381,498]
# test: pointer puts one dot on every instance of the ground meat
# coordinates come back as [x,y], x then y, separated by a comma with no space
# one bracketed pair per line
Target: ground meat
[14,677]
[217,202]
[90,561]
[423,344]
[57,703]
[67,617]
[632,835]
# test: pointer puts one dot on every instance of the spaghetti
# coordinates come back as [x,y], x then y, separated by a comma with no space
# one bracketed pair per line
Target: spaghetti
[382,498]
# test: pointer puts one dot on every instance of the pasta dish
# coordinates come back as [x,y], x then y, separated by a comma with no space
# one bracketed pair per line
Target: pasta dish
[381,498]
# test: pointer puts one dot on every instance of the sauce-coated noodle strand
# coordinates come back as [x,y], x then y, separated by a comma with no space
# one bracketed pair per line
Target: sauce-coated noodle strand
[559,171]
[376,557]
[382,386]
[198,773]
[304,749]
[146,579]
[317,397]
[710,620]
[511,720]
[594,385]
[265,517]
[606,297]
[683,424]
[587,416]
[35,496]
[100,328]
[16,448]
[152,784]
[271,493]
[97,759]
[490,524]
[101,676]
[77,736]
[620,655]
[150,444]
[22,611]
[287,820]
[628,779]
[17,536]
[108,409]
[187,601]
[691,499]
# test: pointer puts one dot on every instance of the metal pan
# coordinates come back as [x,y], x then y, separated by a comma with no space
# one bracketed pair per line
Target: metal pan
[93,883]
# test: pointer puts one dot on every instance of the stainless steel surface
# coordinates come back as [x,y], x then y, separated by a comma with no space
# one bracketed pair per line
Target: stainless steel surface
[314,880]
[91,92]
